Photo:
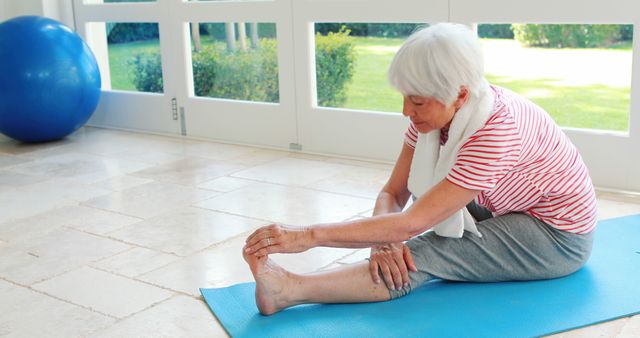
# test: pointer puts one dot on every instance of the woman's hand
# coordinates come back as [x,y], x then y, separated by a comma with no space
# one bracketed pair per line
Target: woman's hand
[278,238]
[394,260]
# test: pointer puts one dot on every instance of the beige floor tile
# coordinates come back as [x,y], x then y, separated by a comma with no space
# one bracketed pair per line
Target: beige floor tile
[123,182]
[225,184]
[62,188]
[356,181]
[155,157]
[287,204]
[26,313]
[611,208]
[216,151]
[10,160]
[80,167]
[150,199]
[310,157]
[360,163]
[31,200]
[80,217]
[312,260]
[180,316]
[185,231]
[58,252]
[631,329]
[257,157]
[292,171]
[10,180]
[220,266]
[103,292]
[135,262]
[369,212]
[12,147]
[604,330]
[356,256]
[223,265]
[189,171]
[38,239]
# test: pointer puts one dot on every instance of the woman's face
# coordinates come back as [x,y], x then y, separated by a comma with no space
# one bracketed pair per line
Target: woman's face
[429,114]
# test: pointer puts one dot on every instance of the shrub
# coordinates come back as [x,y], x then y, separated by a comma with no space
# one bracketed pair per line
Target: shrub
[253,74]
[495,31]
[335,63]
[128,32]
[266,30]
[147,74]
[563,36]
[384,30]
[250,75]
[240,75]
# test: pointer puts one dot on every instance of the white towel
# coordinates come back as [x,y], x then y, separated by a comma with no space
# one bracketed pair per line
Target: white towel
[432,162]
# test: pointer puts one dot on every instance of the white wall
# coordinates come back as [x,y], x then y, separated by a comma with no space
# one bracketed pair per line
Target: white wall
[60,10]
[13,8]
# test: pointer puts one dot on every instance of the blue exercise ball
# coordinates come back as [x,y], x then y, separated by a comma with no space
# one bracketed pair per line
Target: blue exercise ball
[49,80]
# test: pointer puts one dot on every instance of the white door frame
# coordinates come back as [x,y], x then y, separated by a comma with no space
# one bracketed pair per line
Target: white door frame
[125,109]
[348,132]
[608,155]
[296,119]
[257,123]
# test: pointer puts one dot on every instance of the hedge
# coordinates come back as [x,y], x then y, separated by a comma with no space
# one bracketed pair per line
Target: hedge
[563,36]
[253,74]
[335,64]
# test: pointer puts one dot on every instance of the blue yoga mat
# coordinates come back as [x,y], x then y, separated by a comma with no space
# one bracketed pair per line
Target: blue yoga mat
[608,287]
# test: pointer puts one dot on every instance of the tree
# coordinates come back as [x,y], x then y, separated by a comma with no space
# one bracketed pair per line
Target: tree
[242,36]
[195,35]
[230,30]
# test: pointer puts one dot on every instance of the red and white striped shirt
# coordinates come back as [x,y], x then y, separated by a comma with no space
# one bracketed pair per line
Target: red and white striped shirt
[521,161]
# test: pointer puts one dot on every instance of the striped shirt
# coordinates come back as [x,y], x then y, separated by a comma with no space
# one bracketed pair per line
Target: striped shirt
[521,161]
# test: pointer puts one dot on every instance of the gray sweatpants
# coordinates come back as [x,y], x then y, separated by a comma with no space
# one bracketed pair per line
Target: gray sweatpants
[513,247]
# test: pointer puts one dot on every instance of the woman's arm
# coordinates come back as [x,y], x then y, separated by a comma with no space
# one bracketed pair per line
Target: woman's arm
[395,194]
[433,207]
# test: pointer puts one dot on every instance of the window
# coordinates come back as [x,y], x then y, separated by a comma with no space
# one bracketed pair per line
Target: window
[352,60]
[235,60]
[133,56]
[580,74]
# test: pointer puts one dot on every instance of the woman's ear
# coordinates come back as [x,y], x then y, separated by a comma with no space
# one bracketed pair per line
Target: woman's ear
[463,96]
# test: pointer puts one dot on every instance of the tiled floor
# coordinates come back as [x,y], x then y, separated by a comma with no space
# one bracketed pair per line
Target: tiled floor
[110,234]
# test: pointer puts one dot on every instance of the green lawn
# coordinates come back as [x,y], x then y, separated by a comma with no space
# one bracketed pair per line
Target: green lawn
[584,106]
[587,106]
[119,56]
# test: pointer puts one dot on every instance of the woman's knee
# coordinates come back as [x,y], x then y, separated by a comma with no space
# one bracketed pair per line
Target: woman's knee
[405,290]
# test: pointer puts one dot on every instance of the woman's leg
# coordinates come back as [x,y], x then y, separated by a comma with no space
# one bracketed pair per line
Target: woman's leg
[277,289]
[478,212]
[512,247]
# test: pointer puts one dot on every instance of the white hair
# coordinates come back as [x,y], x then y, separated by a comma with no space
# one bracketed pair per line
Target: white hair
[436,61]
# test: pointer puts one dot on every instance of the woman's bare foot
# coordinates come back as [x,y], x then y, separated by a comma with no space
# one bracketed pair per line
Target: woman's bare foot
[271,283]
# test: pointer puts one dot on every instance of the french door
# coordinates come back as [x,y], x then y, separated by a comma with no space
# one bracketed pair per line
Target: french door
[294,117]
[181,108]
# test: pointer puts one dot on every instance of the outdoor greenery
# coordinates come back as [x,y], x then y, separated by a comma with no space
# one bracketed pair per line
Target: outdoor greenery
[250,75]
[563,36]
[384,30]
[147,75]
[335,64]
[240,75]
[134,31]
[495,31]
[351,73]
[586,106]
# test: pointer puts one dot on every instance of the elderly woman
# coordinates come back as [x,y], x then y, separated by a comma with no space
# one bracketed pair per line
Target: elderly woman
[504,190]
